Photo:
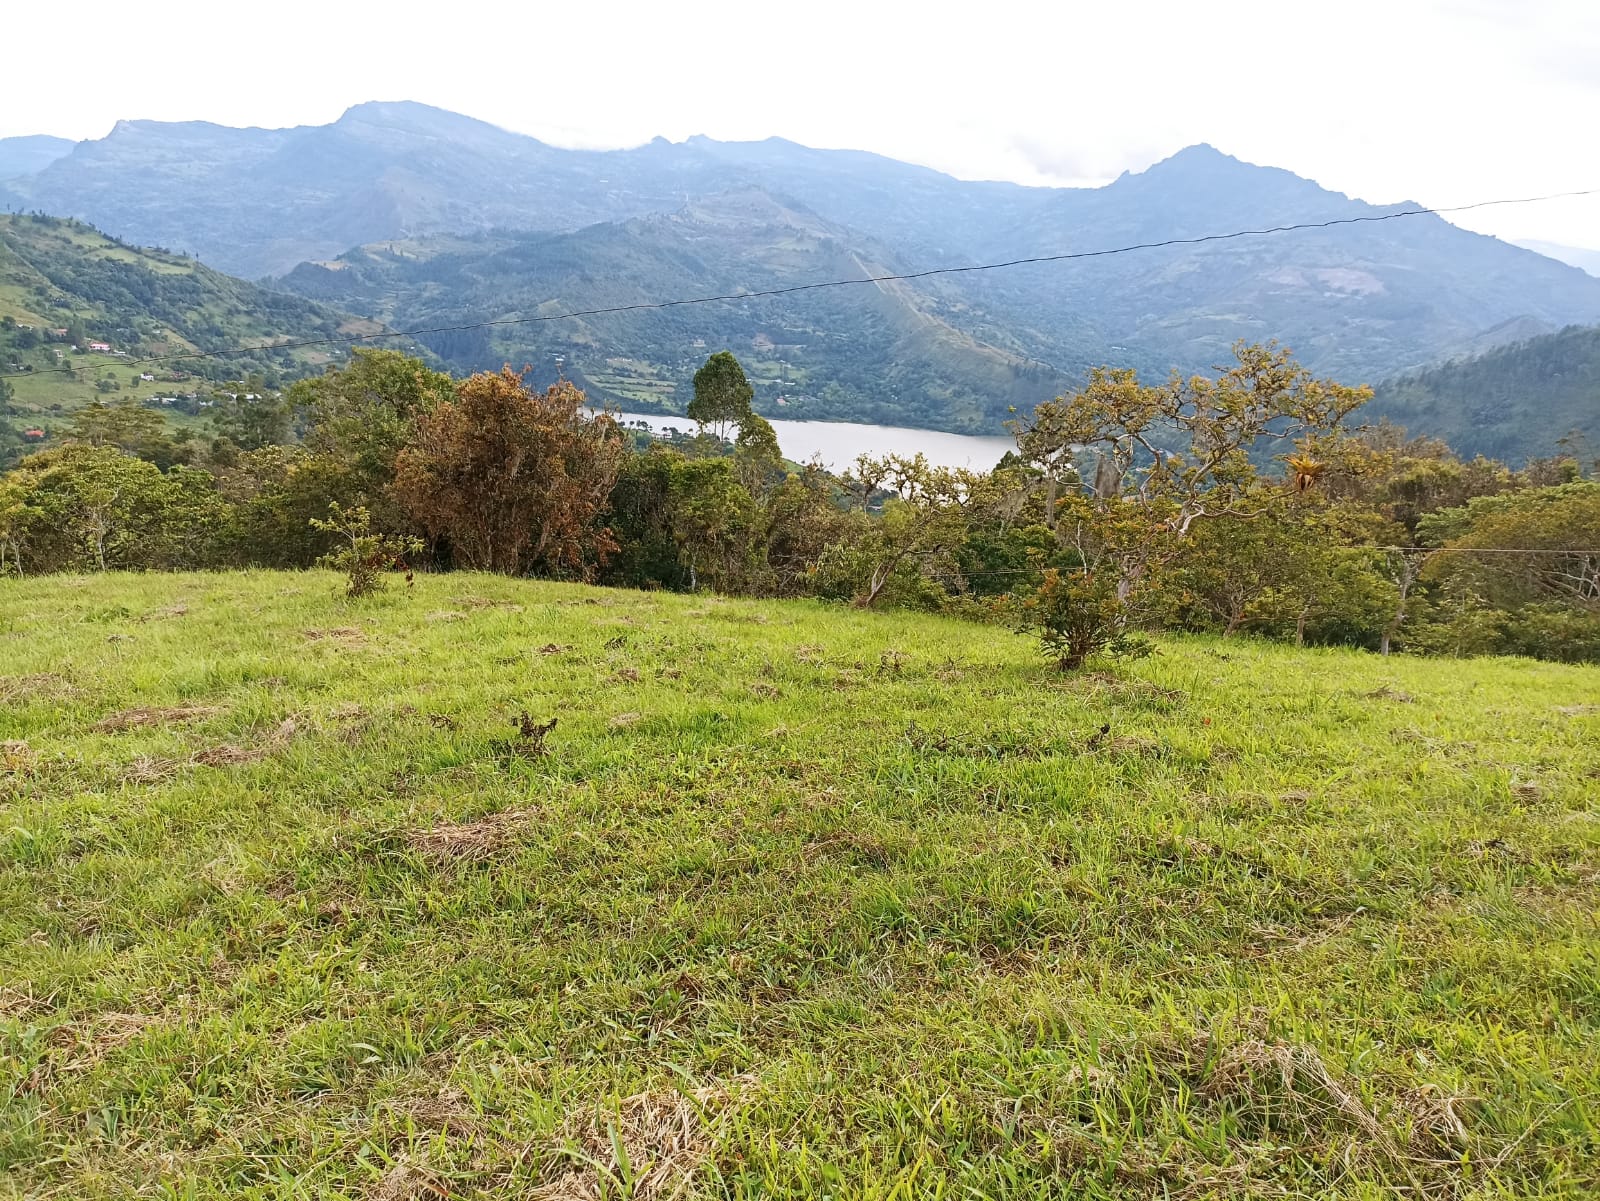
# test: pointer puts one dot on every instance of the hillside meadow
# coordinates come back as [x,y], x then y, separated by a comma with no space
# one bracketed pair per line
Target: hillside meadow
[305,898]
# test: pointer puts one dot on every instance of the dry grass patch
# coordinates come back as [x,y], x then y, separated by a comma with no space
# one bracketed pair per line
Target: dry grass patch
[486,602]
[405,1181]
[343,635]
[473,841]
[164,614]
[132,719]
[651,1148]
[148,769]
[16,757]
[446,1111]
[1267,1081]
[45,685]
[77,1047]
[1390,693]
[230,754]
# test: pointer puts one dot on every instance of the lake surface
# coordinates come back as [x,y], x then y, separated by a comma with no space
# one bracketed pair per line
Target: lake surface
[837,443]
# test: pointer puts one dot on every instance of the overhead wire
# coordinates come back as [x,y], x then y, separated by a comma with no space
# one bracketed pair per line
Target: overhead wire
[791,289]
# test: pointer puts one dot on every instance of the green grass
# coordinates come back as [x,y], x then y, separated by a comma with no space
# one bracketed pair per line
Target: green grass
[52,397]
[800,902]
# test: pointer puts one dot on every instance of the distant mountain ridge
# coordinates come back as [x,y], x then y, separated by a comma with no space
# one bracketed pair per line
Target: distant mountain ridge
[1362,301]
[27,155]
[1576,256]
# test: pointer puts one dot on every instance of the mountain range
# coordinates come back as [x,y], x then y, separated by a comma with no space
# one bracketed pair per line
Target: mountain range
[423,218]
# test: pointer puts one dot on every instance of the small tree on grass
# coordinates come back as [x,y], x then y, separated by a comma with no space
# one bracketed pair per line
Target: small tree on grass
[1079,614]
[1130,470]
[360,554]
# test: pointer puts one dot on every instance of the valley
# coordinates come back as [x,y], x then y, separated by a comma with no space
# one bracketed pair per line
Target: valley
[420,218]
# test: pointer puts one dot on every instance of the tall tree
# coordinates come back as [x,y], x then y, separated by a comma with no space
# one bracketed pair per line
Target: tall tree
[722,394]
[10,436]
[128,426]
[756,453]
[358,416]
[513,480]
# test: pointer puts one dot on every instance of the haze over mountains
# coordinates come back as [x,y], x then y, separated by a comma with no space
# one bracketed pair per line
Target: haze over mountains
[1576,256]
[421,217]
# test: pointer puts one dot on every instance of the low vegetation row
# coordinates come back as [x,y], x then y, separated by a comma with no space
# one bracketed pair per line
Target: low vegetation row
[1251,500]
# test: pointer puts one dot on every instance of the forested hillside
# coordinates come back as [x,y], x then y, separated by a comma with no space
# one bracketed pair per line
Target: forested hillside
[1515,402]
[896,353]
[80,312]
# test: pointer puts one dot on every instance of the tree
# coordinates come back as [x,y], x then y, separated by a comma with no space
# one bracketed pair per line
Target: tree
[10,437]
[722,394]
[805,516]
[514,480]
[1130,470]
[129,427]
[927,512]
[1312,562]
[358,418]
[361,554]
[1536,545]
[89,506]
[757,455]
[252,424]
[19,518]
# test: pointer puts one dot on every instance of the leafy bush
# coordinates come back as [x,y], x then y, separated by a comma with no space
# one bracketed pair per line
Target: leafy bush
[1078,614]
[362,555]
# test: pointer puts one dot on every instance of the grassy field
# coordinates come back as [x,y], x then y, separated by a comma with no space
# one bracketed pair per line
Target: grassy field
[792,901]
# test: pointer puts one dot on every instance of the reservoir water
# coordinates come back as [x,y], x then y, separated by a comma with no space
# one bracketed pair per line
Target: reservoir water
[837,443]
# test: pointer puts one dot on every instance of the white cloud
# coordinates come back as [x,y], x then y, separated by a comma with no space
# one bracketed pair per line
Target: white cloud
[1440,101]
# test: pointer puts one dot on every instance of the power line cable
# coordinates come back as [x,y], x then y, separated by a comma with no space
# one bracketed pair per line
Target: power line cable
[791,289]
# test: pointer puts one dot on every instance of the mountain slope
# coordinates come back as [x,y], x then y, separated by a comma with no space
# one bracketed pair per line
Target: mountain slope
[1514,402]
[889,352]
[59,275]
[1360,300]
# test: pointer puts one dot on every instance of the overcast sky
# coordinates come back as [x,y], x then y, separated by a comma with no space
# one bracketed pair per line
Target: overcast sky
[1437,101]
